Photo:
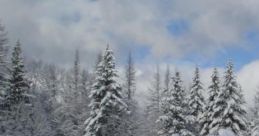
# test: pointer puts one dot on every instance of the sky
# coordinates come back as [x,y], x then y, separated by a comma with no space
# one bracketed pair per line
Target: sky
[180,33]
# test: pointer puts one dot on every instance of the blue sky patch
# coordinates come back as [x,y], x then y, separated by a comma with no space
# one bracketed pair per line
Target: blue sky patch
[178,27]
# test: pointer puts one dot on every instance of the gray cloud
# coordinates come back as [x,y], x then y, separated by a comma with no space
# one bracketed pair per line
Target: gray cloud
[52,29]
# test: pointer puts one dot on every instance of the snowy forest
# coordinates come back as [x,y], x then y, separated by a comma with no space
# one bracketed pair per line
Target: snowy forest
[42,99]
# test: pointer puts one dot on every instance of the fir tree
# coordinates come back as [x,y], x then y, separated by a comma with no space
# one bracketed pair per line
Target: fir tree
[167,78]
[19,99]
[98,60]
[85,86]
[214,90]
[4,71]
[255,115]
[19,87]
[229,112]
[130,121]
[74,110]
[76,71]
[154,107]
[106,100]
[174,115]
[196,101]
[130,78]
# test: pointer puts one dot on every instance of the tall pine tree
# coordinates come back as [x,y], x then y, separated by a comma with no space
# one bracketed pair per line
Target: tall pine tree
[76,72]
[255,115]
[174,114]
[167,78]
[4,73]
[154,107]
[229,112]
[106,100]
[130,121]
[19,99]
[207,116]
[196,102]
[19,87]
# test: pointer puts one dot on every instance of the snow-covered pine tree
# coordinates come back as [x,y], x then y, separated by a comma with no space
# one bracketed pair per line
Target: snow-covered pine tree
[51,83]
[19,87]
[73,110]
[76,72]
[4,73]
[196,101]
[98,60]
[54,87]
[106,100]
[166,90]
[130,78]
[85,88]
[38,75]
[85,83]
[154,106]
[3,66]
[255,115]
[167,78]
[207,116]
[229,112]
[130,121]
[174,112]
[19,118]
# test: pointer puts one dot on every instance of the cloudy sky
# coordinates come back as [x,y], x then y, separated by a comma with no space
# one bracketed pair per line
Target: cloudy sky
[182,33]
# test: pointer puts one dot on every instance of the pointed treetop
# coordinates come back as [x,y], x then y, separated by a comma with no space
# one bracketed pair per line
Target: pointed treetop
[77,57]
[18,43]
[197,72]
[177,73]
[230,64]
[17,49]
[108,47]
[215,72]
[176,70]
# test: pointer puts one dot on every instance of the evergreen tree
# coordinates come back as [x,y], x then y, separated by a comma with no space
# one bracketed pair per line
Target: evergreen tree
[214,90]
[19,87]
[229,112]
[85,88]
[106,100]
[4,71]
[154,107]
[174,115]
[130,78]
[130,121]
[74,110]
[19,119]
[76,71]
[53,90]
[196,102]
[98,60]
[43,114]
[255,115]
[167,78]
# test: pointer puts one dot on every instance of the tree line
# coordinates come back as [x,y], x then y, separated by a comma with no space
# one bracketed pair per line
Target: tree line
[40,99]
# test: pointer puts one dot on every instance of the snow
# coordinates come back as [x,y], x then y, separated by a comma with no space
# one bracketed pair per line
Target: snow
[226,132]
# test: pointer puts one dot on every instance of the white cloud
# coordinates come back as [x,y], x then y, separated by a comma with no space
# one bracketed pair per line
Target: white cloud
[248,78]
[49,27]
